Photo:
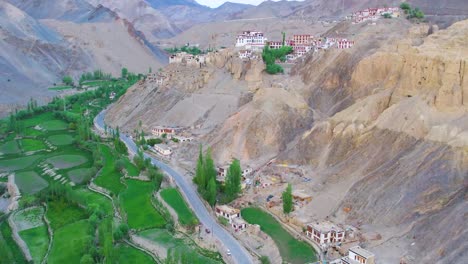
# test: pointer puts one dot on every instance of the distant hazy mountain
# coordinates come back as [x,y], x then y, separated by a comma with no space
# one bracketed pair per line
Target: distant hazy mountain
[70,10]
[52,38]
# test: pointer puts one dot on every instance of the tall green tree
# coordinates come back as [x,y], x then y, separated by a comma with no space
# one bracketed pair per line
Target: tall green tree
[67,80]
[211,192]
[233,180]
[124,73]
[200,179]
[287,200]
[210,169]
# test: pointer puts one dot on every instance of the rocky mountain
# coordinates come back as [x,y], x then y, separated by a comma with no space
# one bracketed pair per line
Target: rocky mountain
[69,10]
[381,129]
[40,46]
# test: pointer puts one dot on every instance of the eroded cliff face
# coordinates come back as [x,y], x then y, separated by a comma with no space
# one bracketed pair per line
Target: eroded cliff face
[381,129]
[393,149]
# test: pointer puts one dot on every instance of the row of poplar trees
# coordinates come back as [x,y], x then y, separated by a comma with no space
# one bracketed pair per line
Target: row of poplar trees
[205,178]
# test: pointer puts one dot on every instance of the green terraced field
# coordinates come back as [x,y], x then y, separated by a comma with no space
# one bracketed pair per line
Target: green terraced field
[70,243]
[30,182]
[37,240]
[67,161]
[174,199]
[18,163]
[32,144]
[54,125]
[61,213]
[61,139]
[79,175]
[291,249]
[9,147]
[128,254]
[109,177]
[136,202]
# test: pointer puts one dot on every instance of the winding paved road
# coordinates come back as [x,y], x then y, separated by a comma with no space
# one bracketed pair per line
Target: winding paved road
[238,253]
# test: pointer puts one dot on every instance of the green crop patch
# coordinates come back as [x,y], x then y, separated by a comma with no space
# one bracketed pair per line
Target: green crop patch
[30,182]
[54,125]
[10,147]
[60,88]
[128,254]
[18,163]
[67,161]
[61,139]
[109,178]
[61,213]
[136,202]
[32,145]
[70,243]
[291,249]
[79,175]
[37,240]
[174,199]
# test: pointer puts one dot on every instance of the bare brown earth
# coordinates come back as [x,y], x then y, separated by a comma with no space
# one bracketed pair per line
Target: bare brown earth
[381,129]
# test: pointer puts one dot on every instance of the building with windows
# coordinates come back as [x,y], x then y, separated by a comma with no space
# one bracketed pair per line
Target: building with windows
[325,233]
[302,39]
[356,255]
[227,212]
[159,131]
[163,149]
[252,40]
[344,44]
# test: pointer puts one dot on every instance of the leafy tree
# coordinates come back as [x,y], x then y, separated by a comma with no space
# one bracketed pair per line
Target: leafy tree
[405,6]
[86,259]
[274,69]
[67,80]
[387,15]
[264,260]
[124,73]
[287,200]
[211,192]
[199,178]
[233,180]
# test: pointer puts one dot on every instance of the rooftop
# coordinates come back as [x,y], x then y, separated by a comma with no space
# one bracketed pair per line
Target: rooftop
[300,194]
[362,252]
[228,209]
[325,226]
[162,146]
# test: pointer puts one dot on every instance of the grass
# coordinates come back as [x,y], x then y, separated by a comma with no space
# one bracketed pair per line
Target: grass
[70,243]
[61,139]
[79,175]
[173,197]
[165,239]
[89,197]
[32,144]
[127,254]
[9,250]
[10,147]
[60,88]
[109,177]
[37,240]
[67,161]
[136,202]
[30,182]
[31,132]
[292,250]
[18,163]
[54,125]
[131,169]
[61,214]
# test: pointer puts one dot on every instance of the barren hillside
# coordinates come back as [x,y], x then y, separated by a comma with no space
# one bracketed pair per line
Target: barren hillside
[381,129]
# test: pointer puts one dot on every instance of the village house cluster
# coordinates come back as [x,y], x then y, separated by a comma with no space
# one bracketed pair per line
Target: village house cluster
[252,42]
[232,215]
[223,170]
[372,14]
[188,59]
[168,133]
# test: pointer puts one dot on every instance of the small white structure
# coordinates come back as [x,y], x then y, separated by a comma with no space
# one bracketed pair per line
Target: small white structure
[163,149]
[112,96]
[325,233]
[245,54]
[247,172]
[238,224]
[356,255]
[344,44]
[251,40]
[227,212]
[183,139]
